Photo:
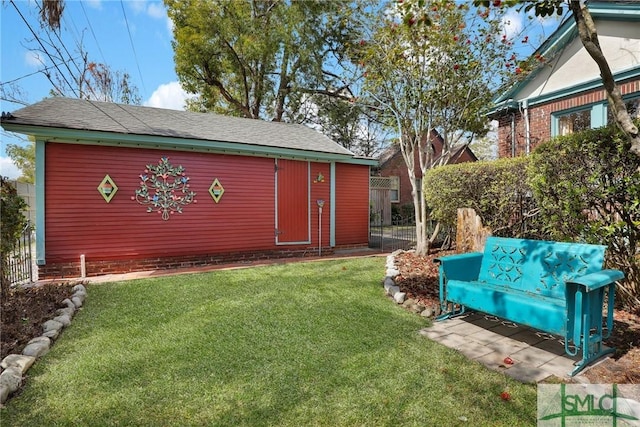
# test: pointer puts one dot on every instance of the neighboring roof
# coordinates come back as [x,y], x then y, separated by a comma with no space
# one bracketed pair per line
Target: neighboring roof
[58,118]
[391,151]
[622,10]
[387,154]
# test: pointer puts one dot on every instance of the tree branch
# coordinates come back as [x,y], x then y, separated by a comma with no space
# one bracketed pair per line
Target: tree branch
[589,37]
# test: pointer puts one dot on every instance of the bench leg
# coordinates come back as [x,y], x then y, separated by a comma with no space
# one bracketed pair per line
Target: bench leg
[589,357]
[591,340]
[449,314]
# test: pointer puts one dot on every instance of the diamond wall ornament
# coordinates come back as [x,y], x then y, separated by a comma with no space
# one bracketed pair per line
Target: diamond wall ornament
[216,190]
[107,188]
[164,188]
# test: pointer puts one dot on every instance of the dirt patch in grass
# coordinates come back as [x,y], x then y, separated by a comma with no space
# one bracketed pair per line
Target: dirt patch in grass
[419,279]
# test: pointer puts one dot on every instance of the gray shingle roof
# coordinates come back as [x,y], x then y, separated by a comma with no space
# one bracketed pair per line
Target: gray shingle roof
[78,114]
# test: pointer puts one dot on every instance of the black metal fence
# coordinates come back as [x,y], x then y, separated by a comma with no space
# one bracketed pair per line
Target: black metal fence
[401,234]
[20,260]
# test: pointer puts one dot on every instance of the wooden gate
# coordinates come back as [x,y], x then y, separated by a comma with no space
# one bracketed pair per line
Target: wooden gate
[380,199]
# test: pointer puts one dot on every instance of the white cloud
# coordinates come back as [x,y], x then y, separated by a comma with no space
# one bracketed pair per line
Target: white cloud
[156,10]
[138,6]
[512,24]
[33,59]
[8,169]
[170,96]
[95,4]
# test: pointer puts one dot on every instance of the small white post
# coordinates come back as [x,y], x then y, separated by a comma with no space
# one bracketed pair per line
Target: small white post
[320,232]
[83,267]
[320,203]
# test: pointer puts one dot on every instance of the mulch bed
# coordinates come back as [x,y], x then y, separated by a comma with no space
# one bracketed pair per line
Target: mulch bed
[24,312]
[419,279]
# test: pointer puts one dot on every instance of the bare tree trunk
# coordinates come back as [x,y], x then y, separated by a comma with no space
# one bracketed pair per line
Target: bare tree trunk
[589,37]
[422,243]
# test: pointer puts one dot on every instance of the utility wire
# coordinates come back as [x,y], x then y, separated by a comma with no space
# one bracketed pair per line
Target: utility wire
[31,74]
[132,46]
[44,49]
[80,79]
[92,32]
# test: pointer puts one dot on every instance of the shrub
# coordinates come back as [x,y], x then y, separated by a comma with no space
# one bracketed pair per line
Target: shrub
[587,186]
[12,221]
[404,212]
[497,190]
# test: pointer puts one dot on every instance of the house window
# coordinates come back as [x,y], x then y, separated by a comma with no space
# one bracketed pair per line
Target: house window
[591,117]
[575,121]
[395,189]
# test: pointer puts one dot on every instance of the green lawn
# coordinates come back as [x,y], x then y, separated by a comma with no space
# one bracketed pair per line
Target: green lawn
[314,343]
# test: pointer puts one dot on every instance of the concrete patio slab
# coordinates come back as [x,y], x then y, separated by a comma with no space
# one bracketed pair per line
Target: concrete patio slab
[536,355]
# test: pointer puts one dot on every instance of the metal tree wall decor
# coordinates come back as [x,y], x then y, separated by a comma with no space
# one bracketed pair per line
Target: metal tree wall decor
[164,188]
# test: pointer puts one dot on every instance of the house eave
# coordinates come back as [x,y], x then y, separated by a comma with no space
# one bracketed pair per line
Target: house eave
[506,106]
[511,105]
[565,33]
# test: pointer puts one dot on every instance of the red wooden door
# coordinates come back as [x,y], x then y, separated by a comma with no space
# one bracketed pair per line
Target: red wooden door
[292,193]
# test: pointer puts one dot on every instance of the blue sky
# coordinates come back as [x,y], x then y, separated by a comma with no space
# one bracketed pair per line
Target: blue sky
[132,36]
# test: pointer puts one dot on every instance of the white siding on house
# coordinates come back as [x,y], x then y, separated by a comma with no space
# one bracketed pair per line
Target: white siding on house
[620,42]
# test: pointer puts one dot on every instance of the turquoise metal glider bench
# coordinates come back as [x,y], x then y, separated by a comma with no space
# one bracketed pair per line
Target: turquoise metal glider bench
[558,288]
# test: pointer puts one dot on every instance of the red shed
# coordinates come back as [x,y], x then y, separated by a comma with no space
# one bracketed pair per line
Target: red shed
[123,188]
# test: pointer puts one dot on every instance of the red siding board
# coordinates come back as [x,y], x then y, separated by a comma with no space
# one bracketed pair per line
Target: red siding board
[320,190]
[122,236]
[352,204]
[79,221]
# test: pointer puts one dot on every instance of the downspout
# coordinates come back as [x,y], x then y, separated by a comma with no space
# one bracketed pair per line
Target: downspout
[332,204]
[527,134]
[40,213]
[513,134]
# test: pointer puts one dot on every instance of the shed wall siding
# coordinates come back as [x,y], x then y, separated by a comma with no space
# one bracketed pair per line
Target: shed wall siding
[79,221]
[121,236]
[352,204]
[320,190]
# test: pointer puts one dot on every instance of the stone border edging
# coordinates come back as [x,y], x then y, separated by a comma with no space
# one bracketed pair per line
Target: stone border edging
[14,366]
[393,290]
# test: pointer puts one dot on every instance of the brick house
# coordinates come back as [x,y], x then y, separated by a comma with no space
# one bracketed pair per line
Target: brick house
[392,165]
[565,93]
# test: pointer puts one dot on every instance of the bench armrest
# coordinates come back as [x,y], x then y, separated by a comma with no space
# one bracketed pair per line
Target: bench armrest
[460,267]
[598,279]
[585,299]
[465,267]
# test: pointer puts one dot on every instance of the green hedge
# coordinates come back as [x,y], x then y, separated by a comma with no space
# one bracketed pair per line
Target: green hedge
[581,187]
[587,186]
[497,190]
